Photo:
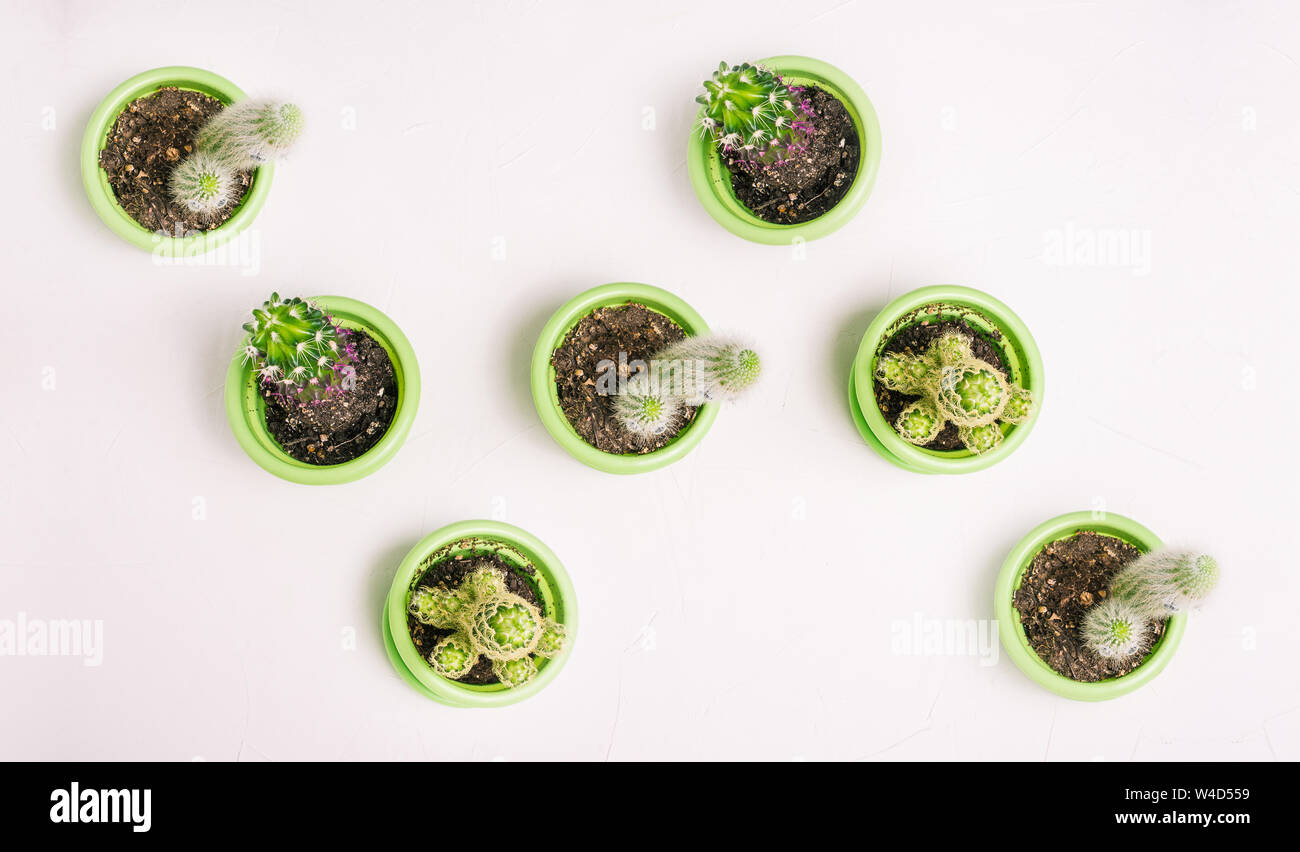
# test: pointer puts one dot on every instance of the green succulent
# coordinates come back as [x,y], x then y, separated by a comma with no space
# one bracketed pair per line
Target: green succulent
[954,387]
[488,621]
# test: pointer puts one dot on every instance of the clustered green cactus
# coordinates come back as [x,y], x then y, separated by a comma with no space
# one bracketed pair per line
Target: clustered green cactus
[240,137]
[488,621]
[750,112]
[1148,589]
[688,373]
[297,349]
[956,387]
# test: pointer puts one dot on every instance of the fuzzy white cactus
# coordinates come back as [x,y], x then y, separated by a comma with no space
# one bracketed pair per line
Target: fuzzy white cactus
[646,409]
[1115,629]
[1166,581]
[249,133]
[204,184]
[709,368]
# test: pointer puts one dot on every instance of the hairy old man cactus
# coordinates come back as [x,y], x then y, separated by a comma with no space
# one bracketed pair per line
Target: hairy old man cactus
[750,112]
[1147,590]
[1166,581]
[487,621]
[954,387]
[1115,629]
[295,346]
[203,184]
[237,138]
[691,372]
[249,133]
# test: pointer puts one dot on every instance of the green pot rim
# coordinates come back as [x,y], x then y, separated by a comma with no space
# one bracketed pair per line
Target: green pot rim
[407,660]
[244,405]
[1017,644]
[100,193]
[1018,346]
[546,399]
[712,183]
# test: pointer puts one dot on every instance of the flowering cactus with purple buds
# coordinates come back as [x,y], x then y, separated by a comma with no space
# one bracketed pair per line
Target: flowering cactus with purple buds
[749,112]
[296,347]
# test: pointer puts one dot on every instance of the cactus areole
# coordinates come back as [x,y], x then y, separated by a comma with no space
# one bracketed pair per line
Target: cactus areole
[157,174]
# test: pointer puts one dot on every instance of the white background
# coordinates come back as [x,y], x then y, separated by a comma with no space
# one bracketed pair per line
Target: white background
[746,602]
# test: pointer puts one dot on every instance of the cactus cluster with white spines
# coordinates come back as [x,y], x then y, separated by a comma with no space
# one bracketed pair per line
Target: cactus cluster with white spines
[646,411]
[239,137]
[955,387]
[489,621]
[298,350]
[1167,581]
[689,373]
[1147,590]
[750,112]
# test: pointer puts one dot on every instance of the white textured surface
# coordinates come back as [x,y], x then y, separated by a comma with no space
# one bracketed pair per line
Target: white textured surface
[742,603]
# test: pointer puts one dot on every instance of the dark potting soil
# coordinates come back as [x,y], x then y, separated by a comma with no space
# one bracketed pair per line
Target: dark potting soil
[449,574]
[914,340]
[337,430]
[1061,583]
[632,329]
[149,138]
[815,181]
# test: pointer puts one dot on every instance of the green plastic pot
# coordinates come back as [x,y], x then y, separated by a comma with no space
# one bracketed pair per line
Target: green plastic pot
[546,398]
[517,547]
[246,410]
[101,194]
[1014,639]
[712,180]
[985,314]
